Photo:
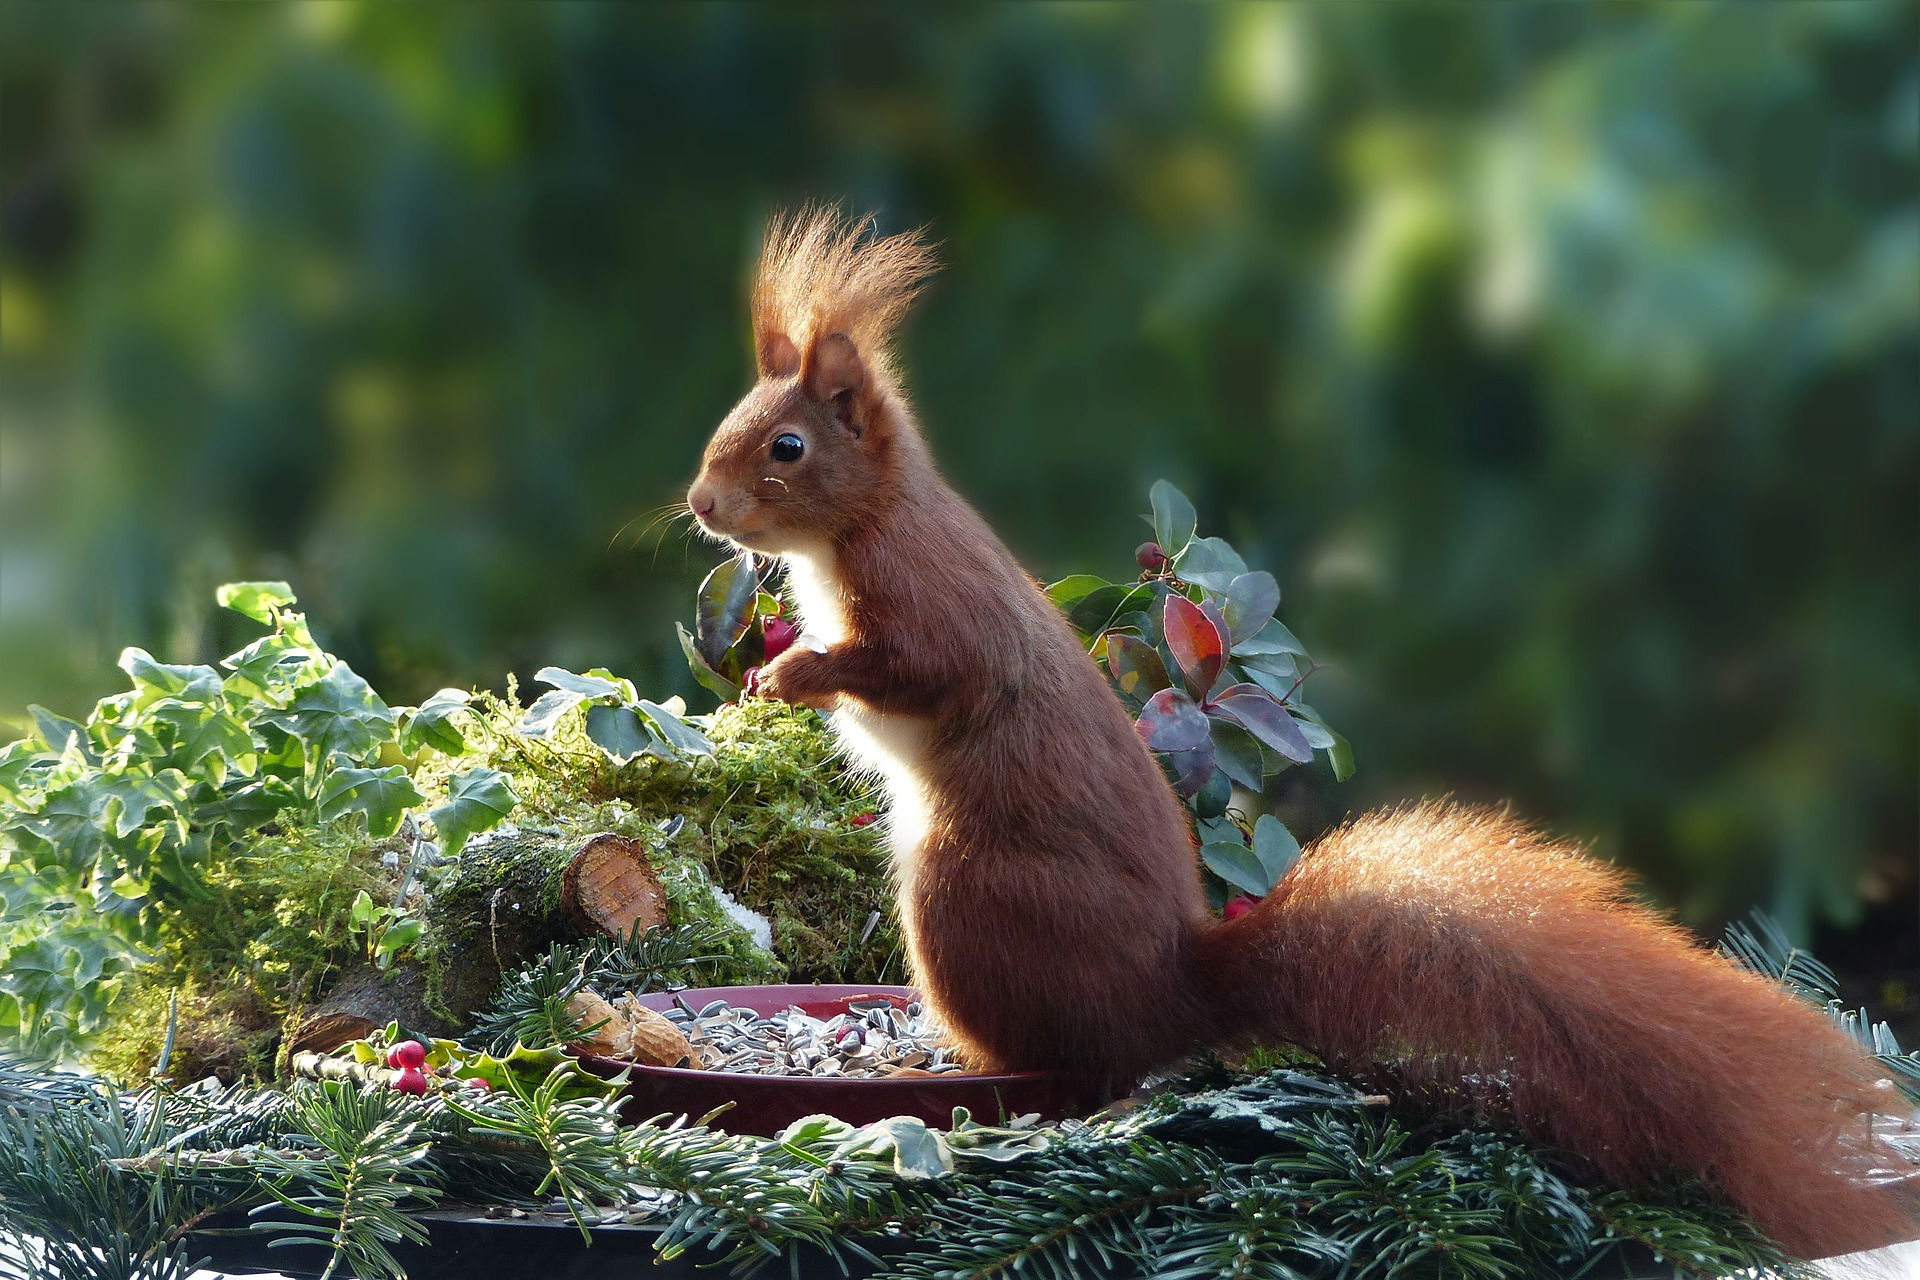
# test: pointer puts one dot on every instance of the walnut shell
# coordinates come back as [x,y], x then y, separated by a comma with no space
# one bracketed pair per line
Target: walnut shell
[632,1033]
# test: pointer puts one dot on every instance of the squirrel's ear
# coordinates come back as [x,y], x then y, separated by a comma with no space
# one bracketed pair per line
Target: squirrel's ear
[776,355]
[837,377]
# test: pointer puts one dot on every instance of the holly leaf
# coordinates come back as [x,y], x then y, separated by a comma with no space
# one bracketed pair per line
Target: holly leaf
[681,736]
[1135,667]
[1198,643]
[1173,518]
[257,600]
[382,795]
[1251,600]
[703,673]
[1256,710]
[1171,721]
[725,607]
[431,724]
[477,800]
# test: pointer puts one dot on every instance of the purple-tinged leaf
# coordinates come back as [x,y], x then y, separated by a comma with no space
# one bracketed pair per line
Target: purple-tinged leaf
[1256,710]
[1198,643]
[1171,721]
[725,607]
[1251,600]
[1191,768]
[1135,667]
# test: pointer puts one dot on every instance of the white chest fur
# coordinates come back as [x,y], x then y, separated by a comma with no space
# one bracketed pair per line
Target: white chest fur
[893,747]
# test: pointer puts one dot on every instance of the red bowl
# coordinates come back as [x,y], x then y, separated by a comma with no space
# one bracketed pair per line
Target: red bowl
[768,1104]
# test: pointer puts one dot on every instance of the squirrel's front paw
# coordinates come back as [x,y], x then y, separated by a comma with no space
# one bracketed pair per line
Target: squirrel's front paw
[794,677]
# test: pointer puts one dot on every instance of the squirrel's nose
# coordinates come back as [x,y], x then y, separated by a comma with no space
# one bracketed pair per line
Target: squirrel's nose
[702,502]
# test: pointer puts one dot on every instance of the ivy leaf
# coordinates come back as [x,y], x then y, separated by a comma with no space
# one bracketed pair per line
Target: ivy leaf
[1237,865]
[1251,600]
[383,795]
[58,732]
[1275,847]
[1135,667]
[1198,643]
[1171,721]
[337,716]
[67,820]
[270,666]
[680,735]
[204,733]
[619,732]
[431,724]
[546,711]
[257,600]
[134,794]
[1260,714]
[1173,518]
[594,684]
[725,607]
[703,673]
[477,800]
[153,679]
[1210,563]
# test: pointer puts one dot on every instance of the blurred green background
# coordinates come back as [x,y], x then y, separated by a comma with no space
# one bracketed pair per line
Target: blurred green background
[1560,359]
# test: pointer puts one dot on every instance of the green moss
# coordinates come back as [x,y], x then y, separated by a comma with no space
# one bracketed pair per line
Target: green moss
[225,1031]
[770,818]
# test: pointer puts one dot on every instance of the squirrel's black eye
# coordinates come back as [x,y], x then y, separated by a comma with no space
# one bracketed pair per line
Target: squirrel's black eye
[788,447]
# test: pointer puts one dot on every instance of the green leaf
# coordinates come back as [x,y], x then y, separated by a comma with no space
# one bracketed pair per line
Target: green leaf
[1214,794]
[1275,847]
[338,716]
[1271,639]
[138,792]
[1237,865]
[431,724]
[270,666]
[1251,600]
[203,733]
[58,732]
[154,679]
[383,795]
[398,936]
[1070,591]
[1235,753]
[546,712]
[619,732]
[595,684]
[477,800]
[1173,518]
[704,675]
[1340,756]
[1096,611]
[725,607]
[680,735]
[257,600]
[1210,563]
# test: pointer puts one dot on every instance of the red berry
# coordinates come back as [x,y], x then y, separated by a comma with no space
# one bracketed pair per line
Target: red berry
[1240,906]
[778,634]
[750,682]
[408,1053]
[1150,556]
[412,1080]
[479,1084]
[861,819]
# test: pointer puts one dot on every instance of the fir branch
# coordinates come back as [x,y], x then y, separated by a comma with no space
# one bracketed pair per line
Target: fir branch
[578,1137]
[1699,1241]
[354,1184]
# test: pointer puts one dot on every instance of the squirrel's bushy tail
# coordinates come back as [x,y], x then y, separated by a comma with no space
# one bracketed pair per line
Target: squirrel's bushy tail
[1454,944]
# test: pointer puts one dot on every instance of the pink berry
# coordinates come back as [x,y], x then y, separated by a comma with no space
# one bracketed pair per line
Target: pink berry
[412,1080]
[1239,906]
[408,1053]
[1150,556]
[778,634]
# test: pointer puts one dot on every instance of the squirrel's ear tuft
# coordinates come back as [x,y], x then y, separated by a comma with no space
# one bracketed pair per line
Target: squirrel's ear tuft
[836,376]
[775,354]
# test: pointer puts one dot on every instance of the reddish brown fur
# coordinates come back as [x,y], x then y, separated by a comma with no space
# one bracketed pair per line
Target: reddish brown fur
[1047,879]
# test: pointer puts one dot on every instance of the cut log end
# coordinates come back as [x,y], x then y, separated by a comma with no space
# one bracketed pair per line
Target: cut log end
[610,888]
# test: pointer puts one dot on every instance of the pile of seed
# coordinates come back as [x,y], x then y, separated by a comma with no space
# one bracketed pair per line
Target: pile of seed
[873,1038]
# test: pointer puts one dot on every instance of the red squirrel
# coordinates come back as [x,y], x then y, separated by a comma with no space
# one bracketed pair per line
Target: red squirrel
[1048,882]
